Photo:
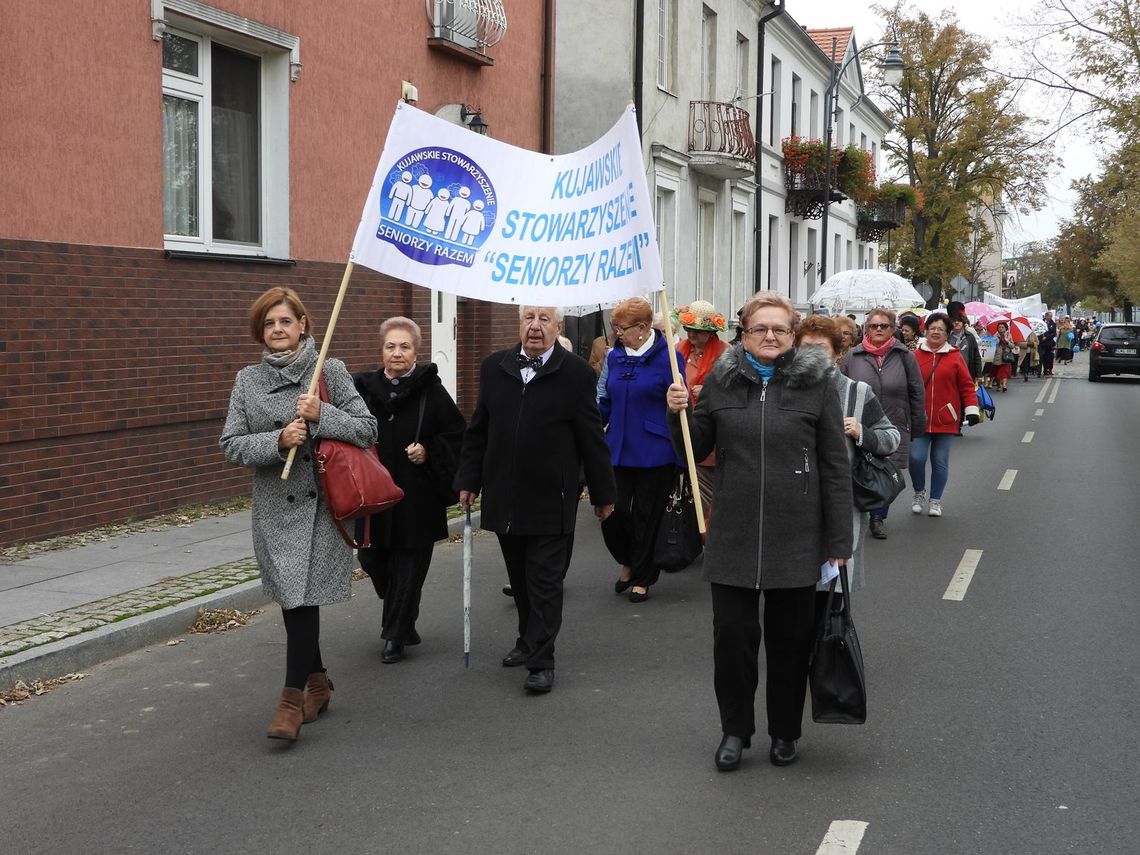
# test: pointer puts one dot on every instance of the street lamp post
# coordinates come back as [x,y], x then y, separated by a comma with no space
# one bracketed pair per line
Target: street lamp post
[892,68]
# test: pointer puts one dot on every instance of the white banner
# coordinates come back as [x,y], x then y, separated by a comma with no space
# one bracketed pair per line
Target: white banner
[1030,307]
[458,212]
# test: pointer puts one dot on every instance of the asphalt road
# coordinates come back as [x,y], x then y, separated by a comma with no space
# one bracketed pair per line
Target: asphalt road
[1004,722]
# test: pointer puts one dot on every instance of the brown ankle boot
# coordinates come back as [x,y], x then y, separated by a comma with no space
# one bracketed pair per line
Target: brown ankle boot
[318,690]
[287,723]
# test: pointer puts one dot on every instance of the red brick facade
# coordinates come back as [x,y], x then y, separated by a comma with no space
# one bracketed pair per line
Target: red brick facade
[118,365]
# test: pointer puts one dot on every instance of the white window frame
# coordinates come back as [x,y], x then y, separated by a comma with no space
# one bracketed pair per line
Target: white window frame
[280,62]
[707,261]
[666,45]
[739,282]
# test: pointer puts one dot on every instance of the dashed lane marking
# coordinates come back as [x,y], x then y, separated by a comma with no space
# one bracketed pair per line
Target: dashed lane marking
[1039,413]
[1006,482]
[956,590]
[1044,390]
[1028,436]
[843,838]
[1053,394]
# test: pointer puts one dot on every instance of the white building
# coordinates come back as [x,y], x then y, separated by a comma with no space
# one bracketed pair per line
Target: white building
[694,73]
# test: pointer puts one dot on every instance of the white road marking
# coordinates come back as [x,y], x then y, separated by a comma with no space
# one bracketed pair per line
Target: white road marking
[1044,389]
[1053,394]
[843,837]
[956,590]
[1039,413]
[1007,479]
[1028,436]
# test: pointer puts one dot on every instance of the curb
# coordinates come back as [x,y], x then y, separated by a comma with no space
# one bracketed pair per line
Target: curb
[81,652]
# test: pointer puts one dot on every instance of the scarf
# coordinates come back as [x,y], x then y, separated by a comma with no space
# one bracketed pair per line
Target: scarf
[288,357]
[879,351]
[767,372]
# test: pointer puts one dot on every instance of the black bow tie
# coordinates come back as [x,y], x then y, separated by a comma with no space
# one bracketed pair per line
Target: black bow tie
[525,361]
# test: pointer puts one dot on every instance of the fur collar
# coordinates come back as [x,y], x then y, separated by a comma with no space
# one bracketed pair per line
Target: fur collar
[798,368]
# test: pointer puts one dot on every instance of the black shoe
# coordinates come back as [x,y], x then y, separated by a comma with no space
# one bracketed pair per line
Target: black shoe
[877,531]
[638,596]
[728,752]
[621,586]
[413,639]
[539,681]
[783,752]
[393,652]
[515,658]
[507,591]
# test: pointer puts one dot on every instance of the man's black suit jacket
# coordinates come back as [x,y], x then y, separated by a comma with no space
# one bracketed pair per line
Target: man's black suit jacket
[527,443]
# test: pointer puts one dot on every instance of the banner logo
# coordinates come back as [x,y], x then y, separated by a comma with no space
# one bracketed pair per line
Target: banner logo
[438,207]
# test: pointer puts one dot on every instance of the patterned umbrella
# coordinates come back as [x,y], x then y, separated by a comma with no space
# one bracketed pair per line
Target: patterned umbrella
[1019,327]
[863,290]
[981,311]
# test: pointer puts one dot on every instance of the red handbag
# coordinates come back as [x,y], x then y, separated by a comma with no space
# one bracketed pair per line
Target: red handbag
[354,482]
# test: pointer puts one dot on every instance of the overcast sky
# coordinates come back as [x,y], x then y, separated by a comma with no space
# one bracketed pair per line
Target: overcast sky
[997,20]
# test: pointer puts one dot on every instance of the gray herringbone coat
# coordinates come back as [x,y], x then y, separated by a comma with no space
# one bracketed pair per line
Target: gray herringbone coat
[302,558]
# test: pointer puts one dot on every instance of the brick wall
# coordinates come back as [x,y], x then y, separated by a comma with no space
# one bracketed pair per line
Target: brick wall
[118,364]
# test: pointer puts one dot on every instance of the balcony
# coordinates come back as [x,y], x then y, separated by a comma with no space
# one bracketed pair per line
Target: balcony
[720,140]
[805,192]
[874,220]
[466,28]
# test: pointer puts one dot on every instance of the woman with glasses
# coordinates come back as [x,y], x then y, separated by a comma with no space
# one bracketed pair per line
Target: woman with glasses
[848,333]
[886,365]
[948,392]
[783,488]
[637,374]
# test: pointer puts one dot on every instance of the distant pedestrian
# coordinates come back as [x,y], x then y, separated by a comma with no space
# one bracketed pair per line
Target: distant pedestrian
[908,331]
[419,434]
[1005,357]
[1027,353]
[948,393]
[1047,344]
[535,427]
[885,364]
[304,563]
[963,337]
[848,332]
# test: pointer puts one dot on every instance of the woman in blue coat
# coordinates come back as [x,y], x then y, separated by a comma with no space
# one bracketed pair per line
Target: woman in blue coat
[645,466]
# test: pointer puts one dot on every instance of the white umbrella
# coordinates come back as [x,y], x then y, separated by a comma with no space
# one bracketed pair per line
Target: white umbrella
[863,290]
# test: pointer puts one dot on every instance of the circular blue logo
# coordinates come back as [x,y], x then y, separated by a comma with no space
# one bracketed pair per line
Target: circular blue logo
[438,206]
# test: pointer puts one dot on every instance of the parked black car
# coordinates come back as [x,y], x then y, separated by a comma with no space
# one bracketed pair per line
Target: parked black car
[1115,350]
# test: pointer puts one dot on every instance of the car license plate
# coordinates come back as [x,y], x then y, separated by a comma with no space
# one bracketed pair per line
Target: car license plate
[1125,351]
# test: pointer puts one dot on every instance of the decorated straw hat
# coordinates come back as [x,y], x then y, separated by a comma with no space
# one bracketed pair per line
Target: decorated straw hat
[700,315]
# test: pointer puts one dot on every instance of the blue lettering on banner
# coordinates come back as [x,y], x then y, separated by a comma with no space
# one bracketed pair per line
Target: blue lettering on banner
[586,268]
[438,207]
[593,176]
[612,215]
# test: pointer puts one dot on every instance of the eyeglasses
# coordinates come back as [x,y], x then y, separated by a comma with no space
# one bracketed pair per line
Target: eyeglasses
[879,326]
[761,332]
[622,330]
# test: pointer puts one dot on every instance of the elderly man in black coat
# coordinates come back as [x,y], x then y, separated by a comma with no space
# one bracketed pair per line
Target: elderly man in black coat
[535,427]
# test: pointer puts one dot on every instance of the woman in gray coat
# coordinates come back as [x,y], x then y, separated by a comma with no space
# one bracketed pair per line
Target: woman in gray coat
[888,367]
[866,427]
[783,487]
[304,562]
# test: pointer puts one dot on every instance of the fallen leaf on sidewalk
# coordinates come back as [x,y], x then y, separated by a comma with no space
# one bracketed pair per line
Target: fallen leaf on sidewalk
[175,642]
[221,620]
[22,691]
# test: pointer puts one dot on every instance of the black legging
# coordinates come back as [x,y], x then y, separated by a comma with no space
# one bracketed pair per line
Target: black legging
[303,644]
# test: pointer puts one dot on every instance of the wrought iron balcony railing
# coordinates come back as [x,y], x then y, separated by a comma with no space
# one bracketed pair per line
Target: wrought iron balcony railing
[719,128]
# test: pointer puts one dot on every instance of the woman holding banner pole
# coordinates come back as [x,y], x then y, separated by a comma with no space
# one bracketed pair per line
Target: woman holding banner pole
[304,563]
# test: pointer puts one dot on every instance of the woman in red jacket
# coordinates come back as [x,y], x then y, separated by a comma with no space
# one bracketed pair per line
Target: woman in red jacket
[948,392]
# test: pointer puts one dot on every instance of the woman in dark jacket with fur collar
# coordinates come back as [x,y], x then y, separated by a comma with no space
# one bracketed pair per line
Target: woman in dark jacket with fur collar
[783,487]
[420,431]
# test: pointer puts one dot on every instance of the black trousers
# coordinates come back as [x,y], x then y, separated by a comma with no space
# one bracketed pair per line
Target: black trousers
[535,566]
[398,576]
[1046,354]
[788,634]
[631,530]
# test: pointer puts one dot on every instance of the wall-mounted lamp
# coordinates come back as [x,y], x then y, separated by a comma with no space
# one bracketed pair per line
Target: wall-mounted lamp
[473,118]
[808,265]
[408,93]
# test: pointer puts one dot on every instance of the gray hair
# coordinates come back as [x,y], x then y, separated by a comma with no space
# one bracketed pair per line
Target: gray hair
[401,323]
[559,313]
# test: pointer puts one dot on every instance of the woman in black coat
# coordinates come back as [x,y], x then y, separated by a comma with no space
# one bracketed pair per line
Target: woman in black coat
[420,431]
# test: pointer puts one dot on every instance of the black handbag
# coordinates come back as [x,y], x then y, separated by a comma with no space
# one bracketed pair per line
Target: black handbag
[875,482]
[1009,357]
[678,539]
[836,679]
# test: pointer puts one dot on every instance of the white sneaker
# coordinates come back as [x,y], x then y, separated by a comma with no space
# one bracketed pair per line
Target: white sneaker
[916,504]
[935,508]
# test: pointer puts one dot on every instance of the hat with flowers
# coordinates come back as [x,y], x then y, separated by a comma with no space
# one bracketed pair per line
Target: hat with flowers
[700,315]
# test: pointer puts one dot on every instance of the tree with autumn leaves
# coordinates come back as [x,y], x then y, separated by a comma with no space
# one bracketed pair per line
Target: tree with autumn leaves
[961,140]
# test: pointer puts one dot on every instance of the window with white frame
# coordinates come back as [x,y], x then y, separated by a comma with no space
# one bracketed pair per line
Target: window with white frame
[706,243]
[738,290]
[742,84]
[813,115]
[776,76]
[666,43]
[225,89]
[666,223]
[708,54]
[797,97]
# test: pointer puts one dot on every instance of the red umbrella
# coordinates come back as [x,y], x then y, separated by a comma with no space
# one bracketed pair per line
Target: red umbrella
[1019,327]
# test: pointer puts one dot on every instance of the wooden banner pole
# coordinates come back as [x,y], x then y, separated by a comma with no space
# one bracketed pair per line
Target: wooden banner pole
[325,342]
[684,415]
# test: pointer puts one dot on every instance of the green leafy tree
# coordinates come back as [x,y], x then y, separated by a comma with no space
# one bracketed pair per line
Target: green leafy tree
[961,140]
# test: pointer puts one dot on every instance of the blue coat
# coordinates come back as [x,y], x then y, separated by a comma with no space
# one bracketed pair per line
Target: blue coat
[634,408]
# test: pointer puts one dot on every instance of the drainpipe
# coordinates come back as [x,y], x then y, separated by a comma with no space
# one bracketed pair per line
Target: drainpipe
[638,59]
[777,9]
[548,77]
